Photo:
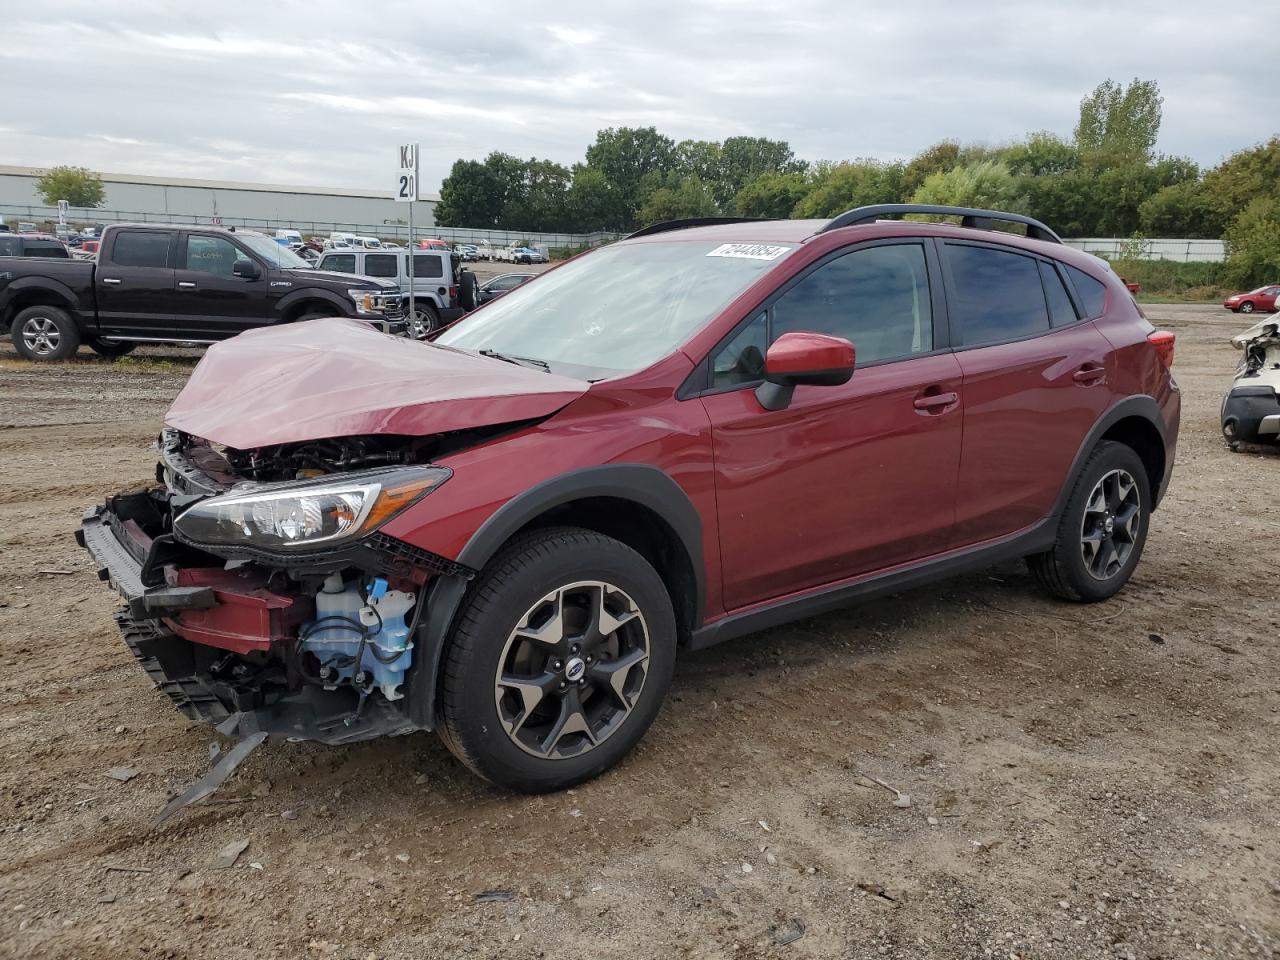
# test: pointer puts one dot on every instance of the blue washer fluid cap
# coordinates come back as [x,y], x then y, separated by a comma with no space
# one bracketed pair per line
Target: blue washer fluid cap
[377,589]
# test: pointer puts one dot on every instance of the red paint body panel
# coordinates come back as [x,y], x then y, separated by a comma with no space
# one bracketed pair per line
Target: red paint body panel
[1025,416]
[797,353]
[339,378]
[844,480]
[248,616]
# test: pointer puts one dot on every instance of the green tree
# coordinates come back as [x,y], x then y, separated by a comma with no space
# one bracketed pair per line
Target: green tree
[1178,210]
[1253,243]
[591,203]
[842,186]
[1042,154]
[76,185]
[540,204]
[1245,175]
[624,155]
[698,158]
[986,184]
[470,196]
[772,195]
[689,197]
[742,159]
[1120,120]
[939,158]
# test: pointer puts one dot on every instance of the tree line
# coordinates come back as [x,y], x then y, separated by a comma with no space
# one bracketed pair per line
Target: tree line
[1105,180]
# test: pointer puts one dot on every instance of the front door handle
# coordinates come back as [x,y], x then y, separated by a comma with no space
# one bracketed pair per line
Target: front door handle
[1090,373]
[935,402]
[111,280]
[187,284]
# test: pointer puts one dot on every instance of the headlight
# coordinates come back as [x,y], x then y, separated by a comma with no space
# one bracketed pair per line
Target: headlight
[365,301]
[306,513]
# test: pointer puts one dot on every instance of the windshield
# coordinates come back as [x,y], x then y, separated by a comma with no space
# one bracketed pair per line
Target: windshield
[620,308]
[274,253]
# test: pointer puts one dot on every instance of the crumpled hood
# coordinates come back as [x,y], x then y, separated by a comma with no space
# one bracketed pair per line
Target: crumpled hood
[340,378]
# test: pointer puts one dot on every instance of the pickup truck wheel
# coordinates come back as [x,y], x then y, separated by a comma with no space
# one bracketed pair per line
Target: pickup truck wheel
[1102,530]
[44,333]
[110,348]
[559,661]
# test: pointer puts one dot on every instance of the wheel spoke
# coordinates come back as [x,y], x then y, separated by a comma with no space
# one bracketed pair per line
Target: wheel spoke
[552,631]
[570,720]
[604,623]
[1127,521]
[532,690]
[612,675]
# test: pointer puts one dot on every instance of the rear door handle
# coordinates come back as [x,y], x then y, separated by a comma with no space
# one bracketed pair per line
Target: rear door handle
[931,402]
[189,284]
[111,280]
[1090,373]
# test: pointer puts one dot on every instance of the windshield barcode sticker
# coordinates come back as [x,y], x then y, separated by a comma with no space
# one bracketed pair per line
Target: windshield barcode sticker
[749,251]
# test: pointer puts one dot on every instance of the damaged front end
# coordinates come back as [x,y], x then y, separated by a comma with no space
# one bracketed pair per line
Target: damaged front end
[257,584]
[1251,408]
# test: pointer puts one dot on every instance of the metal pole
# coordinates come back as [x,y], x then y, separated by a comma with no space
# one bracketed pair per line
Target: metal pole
[413,331]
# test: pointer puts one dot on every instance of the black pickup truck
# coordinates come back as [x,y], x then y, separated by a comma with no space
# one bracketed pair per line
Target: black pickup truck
[156,283]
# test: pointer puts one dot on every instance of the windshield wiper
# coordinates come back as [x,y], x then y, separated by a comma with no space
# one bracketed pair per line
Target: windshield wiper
[519,361]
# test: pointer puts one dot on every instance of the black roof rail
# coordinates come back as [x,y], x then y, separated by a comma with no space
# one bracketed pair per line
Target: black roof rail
[969,217]
[692,222]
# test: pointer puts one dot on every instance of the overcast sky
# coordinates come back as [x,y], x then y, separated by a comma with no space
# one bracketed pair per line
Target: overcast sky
[319,92]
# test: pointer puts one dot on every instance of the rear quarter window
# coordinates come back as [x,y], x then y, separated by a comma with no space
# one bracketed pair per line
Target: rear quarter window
[380,265]
[428,266]
[996,296]
[1092,293]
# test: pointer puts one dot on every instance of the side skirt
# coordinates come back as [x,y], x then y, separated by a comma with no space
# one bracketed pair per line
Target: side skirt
[824,599]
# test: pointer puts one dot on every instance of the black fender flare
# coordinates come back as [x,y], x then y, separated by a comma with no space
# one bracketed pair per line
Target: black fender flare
[47,285]
[294,297]
[643,484]
[1138,405]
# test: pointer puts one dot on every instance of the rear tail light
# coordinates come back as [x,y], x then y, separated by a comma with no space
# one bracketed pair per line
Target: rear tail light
[453,291]
[1163,341]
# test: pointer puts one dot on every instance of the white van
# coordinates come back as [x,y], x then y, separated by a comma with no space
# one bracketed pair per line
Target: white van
[369,243]
[291,236]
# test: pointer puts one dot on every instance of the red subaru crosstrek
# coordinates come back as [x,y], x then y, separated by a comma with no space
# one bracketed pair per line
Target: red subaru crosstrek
[507,534]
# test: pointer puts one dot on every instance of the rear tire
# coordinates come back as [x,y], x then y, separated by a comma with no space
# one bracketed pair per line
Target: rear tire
[110,348]
[44,333]
[534,697]
[1102,530]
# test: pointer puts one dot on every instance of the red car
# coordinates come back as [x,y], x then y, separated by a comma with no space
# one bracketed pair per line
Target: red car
[693,434]
[1263,299]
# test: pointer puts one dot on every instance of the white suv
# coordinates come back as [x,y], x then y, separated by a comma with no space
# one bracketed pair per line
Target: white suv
[442,290]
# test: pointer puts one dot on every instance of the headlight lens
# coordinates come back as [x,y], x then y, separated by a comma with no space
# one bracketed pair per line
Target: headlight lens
[307,513]
[365,301]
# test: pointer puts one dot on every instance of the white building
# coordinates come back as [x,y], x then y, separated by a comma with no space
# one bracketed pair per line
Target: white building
[131,198]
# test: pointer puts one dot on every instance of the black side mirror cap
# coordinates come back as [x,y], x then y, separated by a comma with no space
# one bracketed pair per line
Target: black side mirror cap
[246,270]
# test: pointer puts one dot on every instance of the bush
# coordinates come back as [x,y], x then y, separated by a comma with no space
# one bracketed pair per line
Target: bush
[1253,244]
[1168,279]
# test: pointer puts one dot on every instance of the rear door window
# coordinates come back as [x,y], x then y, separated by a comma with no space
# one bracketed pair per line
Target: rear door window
[141,248]
[380,265]
[44,248]
[1061,311]
[10,246]
[1093,293]
[996,295]
[428,266]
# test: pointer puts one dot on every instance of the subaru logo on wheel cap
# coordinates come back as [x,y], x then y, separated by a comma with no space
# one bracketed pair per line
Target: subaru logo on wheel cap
[575,668]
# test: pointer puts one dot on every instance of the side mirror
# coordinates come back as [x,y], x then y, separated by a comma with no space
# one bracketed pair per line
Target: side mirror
[803,358]
[246,270]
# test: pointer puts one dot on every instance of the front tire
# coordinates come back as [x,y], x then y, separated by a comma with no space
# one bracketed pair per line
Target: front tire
[559,662]
[425,321]
[1103,528]
[1246,307]
[44,333]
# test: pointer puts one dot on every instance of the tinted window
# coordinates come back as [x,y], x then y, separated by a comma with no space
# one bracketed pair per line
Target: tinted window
[340,263]
[741,360]
[507,283]
[137,248]
[998,295]
[214,255]
[878,298]
[427,266]
[1093,293]
[1061,311]
[380,265]
[44,248]
[10,246]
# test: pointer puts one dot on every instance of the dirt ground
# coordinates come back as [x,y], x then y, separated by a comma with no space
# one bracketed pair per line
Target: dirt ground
[1084,781]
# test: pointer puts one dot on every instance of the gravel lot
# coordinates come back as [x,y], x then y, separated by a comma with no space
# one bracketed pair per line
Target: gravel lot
[1084,781]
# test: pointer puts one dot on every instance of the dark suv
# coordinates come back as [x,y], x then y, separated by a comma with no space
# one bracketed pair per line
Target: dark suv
[507,534]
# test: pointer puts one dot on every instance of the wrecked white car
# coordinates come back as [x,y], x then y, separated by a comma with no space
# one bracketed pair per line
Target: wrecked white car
[1251,408]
